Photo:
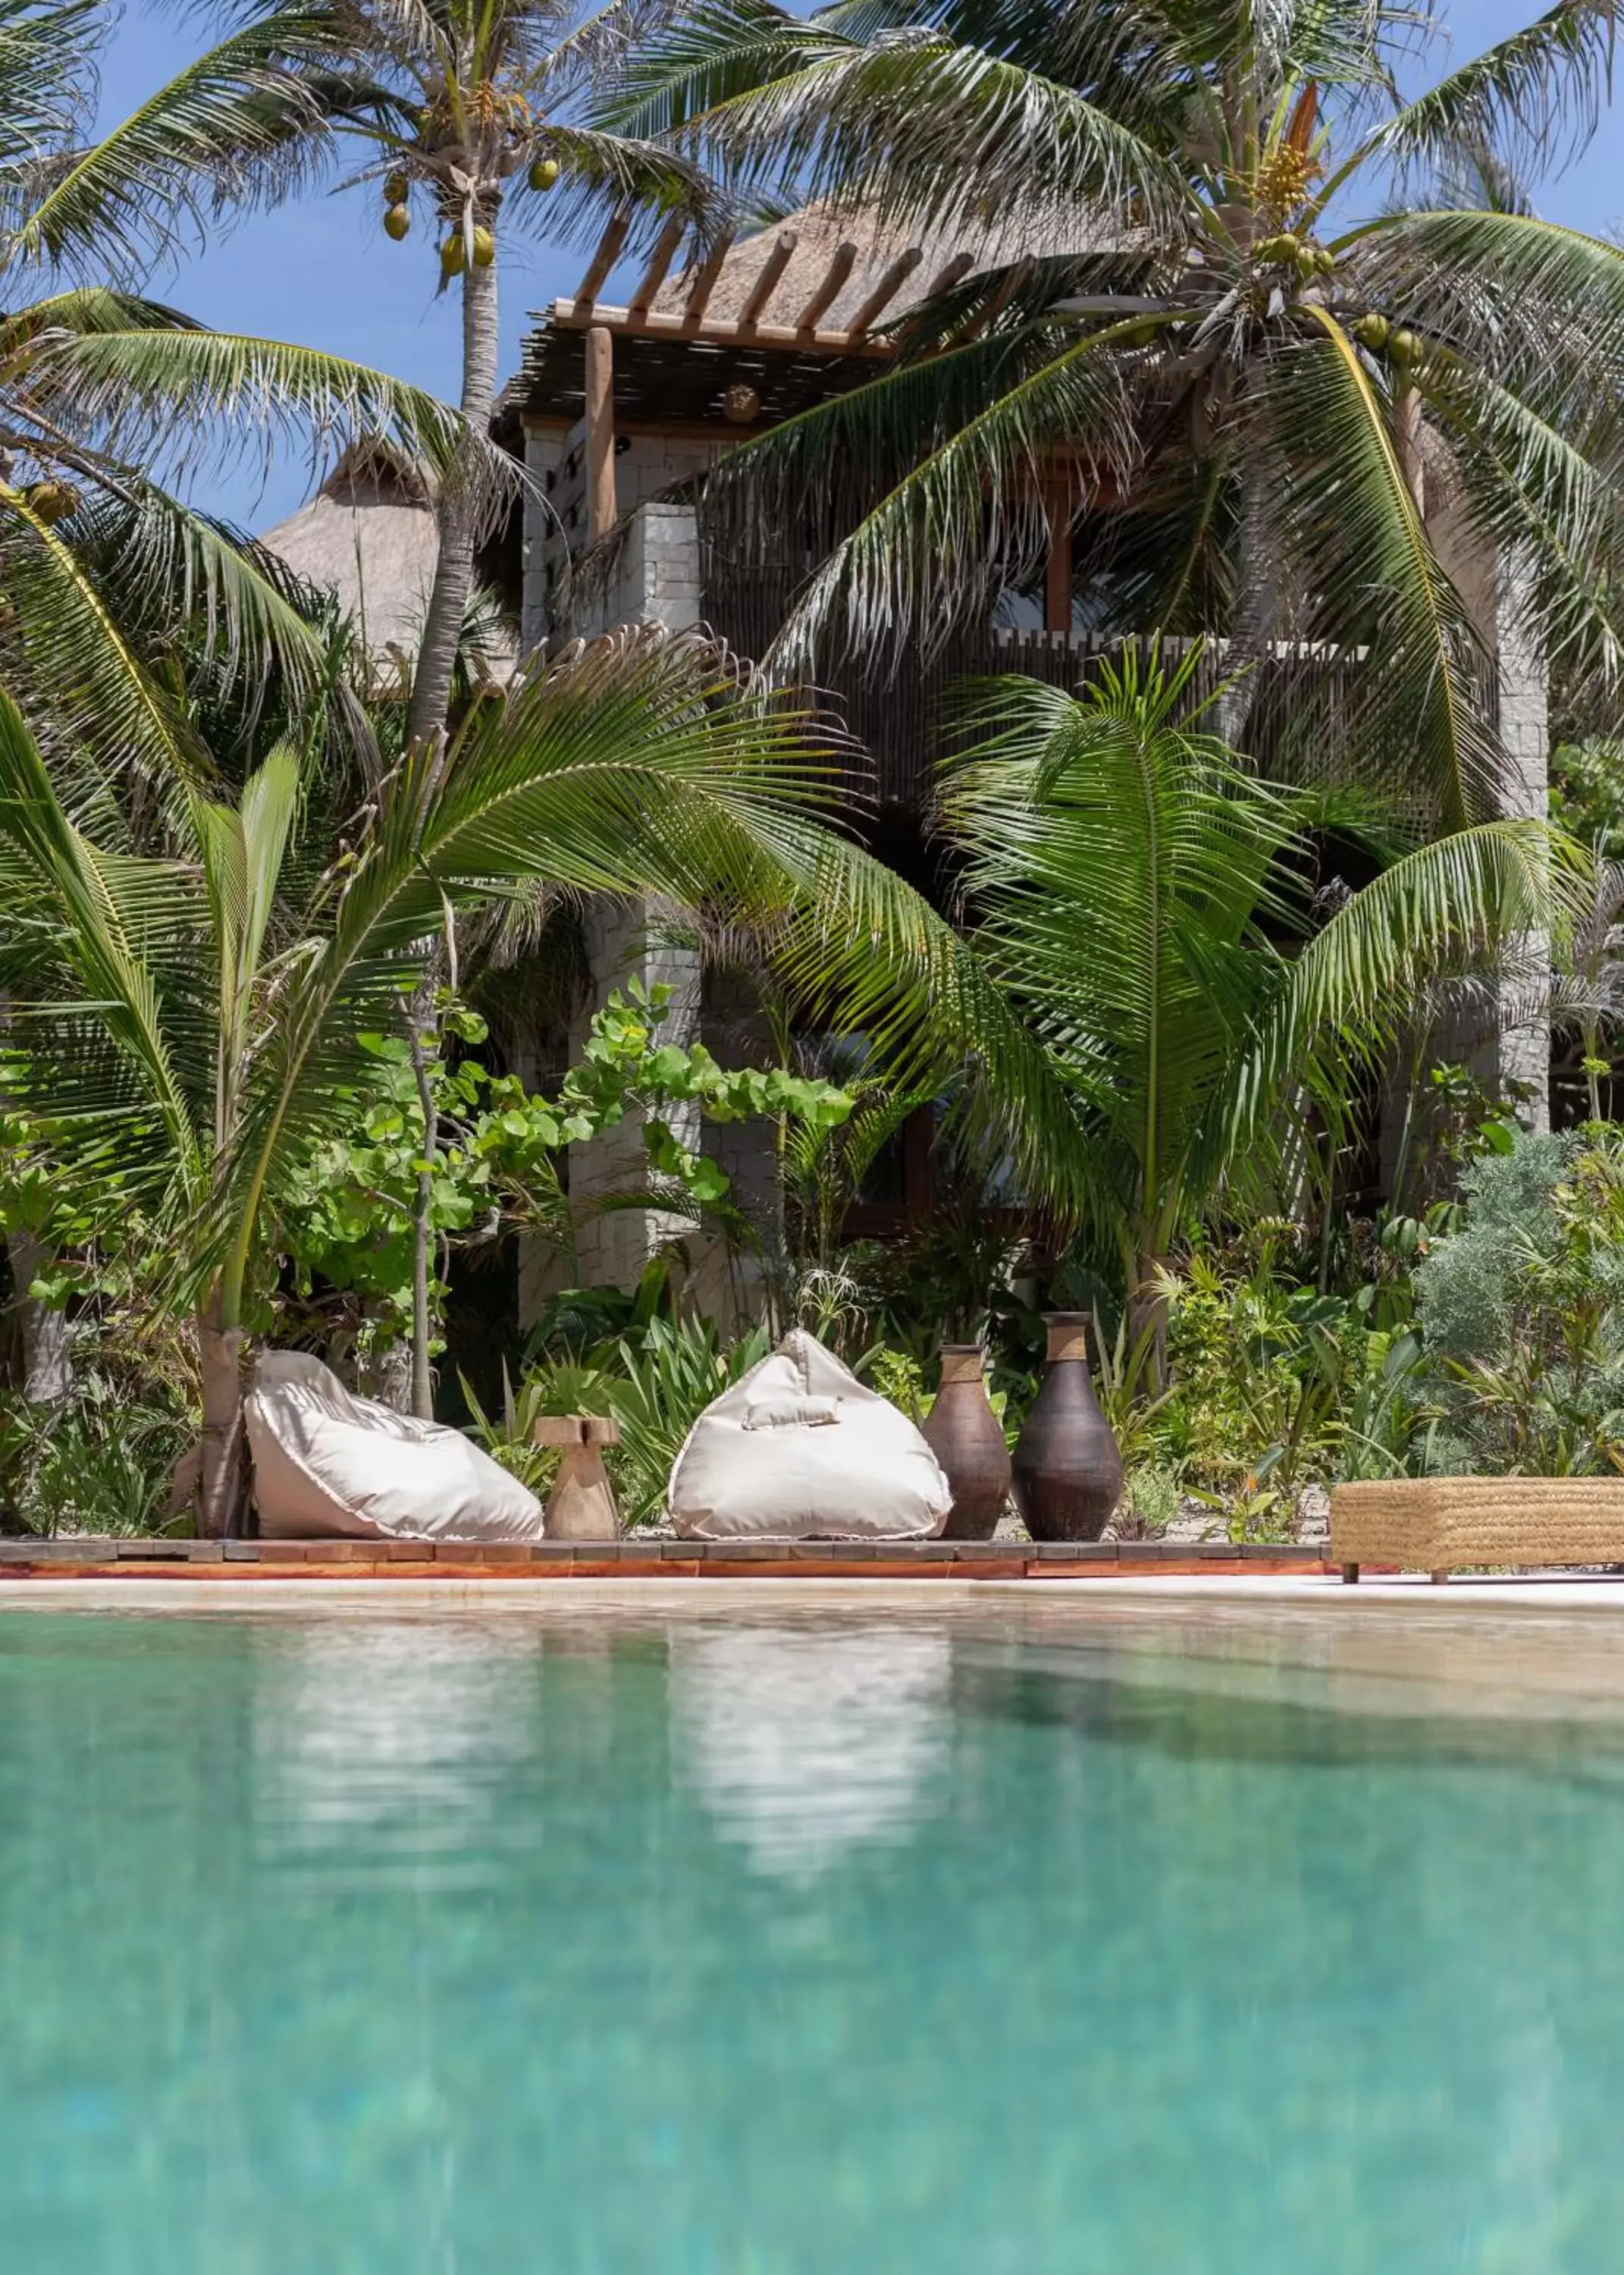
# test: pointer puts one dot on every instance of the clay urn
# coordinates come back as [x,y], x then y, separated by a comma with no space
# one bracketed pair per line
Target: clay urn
[1067,1470]
[967,1437]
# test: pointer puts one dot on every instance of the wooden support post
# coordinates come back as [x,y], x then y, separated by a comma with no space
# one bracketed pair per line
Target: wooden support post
[950,274]
[1350,1576]
[1440,1579]
[1057,569]
[601,510]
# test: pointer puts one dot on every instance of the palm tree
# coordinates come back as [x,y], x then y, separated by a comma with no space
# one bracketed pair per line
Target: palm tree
[1147,907]
[1283,312]
[102,570]
[97,382]
[471,110]
[204,1002]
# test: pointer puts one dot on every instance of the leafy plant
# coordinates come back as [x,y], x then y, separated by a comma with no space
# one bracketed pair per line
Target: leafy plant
[1139,895]
[99,1463]
[1523,1308]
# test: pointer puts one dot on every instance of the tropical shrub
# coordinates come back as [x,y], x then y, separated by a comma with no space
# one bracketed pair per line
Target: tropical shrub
[1523,1309]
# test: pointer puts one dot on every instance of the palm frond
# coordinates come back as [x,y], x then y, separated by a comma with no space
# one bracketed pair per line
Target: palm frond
[1421,711]
[134,392]
[1531,99]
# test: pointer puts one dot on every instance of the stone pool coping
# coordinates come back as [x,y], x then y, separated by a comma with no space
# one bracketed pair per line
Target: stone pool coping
[651,1559]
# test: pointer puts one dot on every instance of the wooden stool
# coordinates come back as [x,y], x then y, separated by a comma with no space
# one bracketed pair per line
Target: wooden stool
[581,1506]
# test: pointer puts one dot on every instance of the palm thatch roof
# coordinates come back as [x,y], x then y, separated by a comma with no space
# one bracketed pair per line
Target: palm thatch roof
[841,258]
[369,534]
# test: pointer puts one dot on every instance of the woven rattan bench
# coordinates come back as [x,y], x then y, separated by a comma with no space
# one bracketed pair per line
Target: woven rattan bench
[1443,1525]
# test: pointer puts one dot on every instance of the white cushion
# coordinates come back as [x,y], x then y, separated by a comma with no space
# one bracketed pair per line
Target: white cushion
[327,1463]
[799,1449]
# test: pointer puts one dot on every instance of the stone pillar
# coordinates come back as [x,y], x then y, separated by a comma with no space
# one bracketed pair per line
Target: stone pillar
[656,582]
[623,943]
[1494,588]
[1525,732]
[541,456]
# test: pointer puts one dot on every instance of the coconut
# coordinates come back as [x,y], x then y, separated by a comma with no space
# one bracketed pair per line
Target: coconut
[484,248]
[453,256]
[397,222]
[543,173]
[52,500]
[1403,346]
[1371,331]
[395,188]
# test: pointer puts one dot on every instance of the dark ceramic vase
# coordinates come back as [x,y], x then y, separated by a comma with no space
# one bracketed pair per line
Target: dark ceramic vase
[1067,1470]
[967,1437]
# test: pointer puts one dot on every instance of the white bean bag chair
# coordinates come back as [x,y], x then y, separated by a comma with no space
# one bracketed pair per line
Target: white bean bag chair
[327,1463]
[799,1449]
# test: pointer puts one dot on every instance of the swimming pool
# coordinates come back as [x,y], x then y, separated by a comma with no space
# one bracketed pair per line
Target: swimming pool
[753,1938]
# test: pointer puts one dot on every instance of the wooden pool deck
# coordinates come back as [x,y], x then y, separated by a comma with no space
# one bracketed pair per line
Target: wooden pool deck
[651,1558]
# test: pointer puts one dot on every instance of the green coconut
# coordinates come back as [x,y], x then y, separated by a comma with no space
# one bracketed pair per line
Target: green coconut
[1371,331]
[395,188]
[453,255]
[543,173]
[397,222]
[484,248]
[52,500]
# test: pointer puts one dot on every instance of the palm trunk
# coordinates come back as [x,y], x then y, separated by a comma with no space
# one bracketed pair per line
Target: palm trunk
[422,1222]
[457,514]
[222,1497]
[1253,616]
[48,1369]
[1147,1324]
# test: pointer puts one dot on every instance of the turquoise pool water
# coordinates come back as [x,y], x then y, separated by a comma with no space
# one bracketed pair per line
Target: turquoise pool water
[763,1942]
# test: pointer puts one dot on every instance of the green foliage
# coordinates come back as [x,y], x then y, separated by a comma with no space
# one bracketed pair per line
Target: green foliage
[1523,1308]
[899,1376]
[1141,896]
[510,1437]
[1261,1363]
[1587,793]
[497,1161]
[102,1462]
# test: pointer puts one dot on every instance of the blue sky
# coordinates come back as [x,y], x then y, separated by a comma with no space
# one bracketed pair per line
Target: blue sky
[321,272]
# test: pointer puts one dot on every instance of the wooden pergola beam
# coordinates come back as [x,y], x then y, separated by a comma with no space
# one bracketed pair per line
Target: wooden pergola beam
[607,253]
[994,308]
[950,274]
[845,261]
[766,281]
[659,261]
[666,324]
[885,291]
[705,279]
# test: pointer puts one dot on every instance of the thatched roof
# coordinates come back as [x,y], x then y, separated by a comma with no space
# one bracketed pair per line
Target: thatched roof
[820,232]
[369,534]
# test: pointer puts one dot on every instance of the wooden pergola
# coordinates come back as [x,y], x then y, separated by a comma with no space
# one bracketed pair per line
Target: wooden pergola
[787,337]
